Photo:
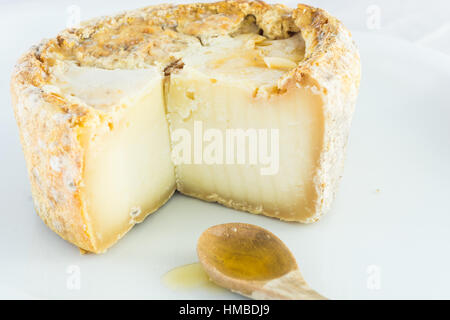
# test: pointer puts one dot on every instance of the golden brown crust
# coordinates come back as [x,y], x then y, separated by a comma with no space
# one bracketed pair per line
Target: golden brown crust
[52,128]
[54,156]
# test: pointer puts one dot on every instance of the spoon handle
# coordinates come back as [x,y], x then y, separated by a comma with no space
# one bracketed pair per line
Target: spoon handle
[291,286]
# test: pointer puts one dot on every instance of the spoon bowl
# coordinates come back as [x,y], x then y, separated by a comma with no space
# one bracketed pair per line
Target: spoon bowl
[252,261]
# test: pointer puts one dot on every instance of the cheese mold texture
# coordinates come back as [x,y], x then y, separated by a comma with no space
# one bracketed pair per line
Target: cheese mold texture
[103,109]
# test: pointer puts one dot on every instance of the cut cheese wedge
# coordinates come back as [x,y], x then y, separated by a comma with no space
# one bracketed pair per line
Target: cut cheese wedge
[238,102]
[128,172]
[128,169]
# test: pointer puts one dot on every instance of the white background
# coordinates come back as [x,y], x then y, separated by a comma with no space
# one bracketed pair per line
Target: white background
[390,220]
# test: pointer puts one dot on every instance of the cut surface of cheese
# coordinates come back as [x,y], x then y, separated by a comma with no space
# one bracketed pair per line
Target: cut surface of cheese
[128,171]
[228,88]
[238,102]
[287,129]
[104,89]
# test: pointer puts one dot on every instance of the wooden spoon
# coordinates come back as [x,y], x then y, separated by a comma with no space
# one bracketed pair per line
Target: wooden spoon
[253,262]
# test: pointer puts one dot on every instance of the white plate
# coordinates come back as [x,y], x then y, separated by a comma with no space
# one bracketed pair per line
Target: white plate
[387,235]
